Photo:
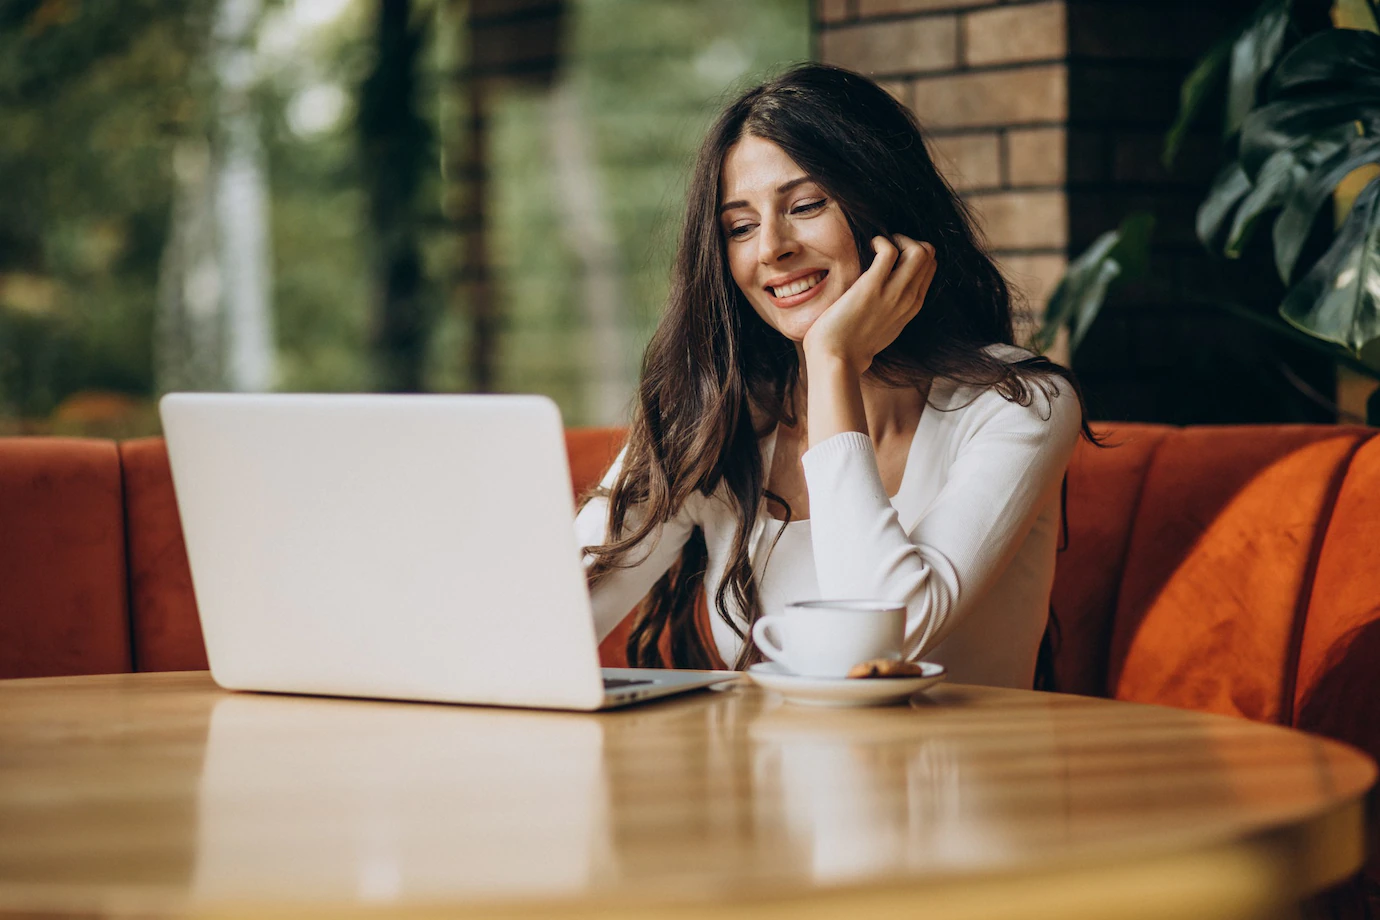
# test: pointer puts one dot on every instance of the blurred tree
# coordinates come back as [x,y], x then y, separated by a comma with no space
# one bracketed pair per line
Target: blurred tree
[587,224]
[92,96]
[638,84]
[467,283]
[241,198]
[215,326]
[189,336]
[108,127]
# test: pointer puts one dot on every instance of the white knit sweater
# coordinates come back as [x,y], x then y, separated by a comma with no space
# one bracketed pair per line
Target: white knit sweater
[968,542]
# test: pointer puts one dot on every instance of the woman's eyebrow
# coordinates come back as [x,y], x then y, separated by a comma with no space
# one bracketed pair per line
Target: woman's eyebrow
[780,190]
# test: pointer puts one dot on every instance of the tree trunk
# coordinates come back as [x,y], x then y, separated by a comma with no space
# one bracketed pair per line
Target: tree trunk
[469,290]
[395,142]
[241,202]
[589,233]
[189,332]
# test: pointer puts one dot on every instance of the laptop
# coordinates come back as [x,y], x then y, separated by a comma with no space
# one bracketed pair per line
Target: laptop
[392,547]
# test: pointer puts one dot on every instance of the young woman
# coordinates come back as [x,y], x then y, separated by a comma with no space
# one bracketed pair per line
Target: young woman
[832,406]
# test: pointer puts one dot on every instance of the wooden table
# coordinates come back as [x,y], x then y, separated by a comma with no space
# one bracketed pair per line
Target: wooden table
[158,794]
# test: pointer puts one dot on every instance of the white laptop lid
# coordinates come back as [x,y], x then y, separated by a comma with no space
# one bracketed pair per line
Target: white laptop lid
[408,547]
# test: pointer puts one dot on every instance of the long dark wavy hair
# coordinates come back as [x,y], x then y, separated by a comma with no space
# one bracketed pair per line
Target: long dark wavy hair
[716,378]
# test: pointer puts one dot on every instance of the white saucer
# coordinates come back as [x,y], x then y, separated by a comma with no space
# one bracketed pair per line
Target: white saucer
[843,691]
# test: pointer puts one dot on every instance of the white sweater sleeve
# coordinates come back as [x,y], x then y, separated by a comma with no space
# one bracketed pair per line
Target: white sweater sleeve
[621,589]
[1007,460]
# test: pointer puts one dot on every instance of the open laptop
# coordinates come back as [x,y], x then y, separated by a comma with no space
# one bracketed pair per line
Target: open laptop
[394,547]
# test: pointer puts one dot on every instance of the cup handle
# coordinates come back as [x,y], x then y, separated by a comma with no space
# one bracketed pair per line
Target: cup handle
[763,640]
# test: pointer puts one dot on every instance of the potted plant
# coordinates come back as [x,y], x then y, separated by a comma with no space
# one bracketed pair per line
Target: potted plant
[1302,134]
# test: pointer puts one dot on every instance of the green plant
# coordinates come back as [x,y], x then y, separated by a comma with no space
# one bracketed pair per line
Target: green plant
[1295,127]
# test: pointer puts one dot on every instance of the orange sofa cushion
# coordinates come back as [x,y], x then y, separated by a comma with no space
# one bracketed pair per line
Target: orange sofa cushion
[63,601]
[1230,525]
[1104,485]
[167,631]
[1339,655]
[591,452]
[1339,652]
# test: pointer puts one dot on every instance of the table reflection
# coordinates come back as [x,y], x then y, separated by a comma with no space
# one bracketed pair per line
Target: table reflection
[302,798]
[388,802]
[865,796]
[784,792]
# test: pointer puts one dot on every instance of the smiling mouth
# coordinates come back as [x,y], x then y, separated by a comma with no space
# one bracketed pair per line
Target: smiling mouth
[799,286]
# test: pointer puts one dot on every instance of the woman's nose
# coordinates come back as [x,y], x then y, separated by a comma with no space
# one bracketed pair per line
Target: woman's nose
[775,242]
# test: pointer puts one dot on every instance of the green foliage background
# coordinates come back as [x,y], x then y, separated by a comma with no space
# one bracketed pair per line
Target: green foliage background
[652,76]
[94,95]
[90,97]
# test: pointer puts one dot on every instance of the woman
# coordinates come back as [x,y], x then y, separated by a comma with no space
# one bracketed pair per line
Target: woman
[832,405]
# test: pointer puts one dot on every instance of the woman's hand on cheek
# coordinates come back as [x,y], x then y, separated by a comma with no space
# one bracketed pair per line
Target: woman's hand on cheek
[871,314]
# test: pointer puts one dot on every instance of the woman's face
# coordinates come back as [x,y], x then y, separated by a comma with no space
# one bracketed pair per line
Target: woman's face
[790,248]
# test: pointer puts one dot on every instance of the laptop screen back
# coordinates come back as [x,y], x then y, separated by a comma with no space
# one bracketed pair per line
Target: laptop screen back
[411,547]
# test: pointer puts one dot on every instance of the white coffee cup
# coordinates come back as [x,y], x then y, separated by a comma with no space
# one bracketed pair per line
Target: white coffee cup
[827,638]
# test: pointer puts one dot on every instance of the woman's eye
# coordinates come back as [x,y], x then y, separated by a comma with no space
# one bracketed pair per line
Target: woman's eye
[808,207]
[740,230]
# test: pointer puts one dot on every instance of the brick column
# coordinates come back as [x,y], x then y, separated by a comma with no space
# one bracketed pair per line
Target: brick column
[990,85]
[1049,117]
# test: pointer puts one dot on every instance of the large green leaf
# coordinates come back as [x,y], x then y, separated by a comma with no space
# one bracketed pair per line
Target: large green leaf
[1252,55]
[1123,253]
[1244,54]
[1331,59]
[1330,79]
[1281,174]
[1194,92]
[1231,185]
[1284,123]
[1339,299]
[1296,220]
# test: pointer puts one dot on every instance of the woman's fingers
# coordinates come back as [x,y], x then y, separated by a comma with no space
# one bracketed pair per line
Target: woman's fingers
[875,308]
[920,284]
[911,279]
[909,262]
[884,259]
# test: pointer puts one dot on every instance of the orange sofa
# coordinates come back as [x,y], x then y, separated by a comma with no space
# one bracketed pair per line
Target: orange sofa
[1226,569]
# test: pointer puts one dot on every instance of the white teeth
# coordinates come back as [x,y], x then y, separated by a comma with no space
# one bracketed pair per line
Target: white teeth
[798,286]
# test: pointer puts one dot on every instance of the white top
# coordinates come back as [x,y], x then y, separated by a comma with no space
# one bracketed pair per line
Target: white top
[968,542]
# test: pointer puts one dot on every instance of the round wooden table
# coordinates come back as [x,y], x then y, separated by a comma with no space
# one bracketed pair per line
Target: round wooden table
[158,794]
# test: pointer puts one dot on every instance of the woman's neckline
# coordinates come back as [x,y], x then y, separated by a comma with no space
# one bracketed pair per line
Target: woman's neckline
[941,393]
[925,413]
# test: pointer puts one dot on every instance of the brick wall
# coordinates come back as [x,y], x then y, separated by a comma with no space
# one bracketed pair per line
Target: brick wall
[990,85]
[1049,117]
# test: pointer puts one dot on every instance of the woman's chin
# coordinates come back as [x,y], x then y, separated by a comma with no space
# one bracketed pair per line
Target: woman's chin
[794,325]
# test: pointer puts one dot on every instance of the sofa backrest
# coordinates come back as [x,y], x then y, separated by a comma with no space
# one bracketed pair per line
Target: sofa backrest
[1224,549]
[166,629]
[94,577]
[1336,691]
[591,452]
[1233,570]
[63,604]
[1102,497]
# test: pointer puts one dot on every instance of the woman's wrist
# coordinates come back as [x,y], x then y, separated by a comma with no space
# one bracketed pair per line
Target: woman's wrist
[821,361]
[834,397]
